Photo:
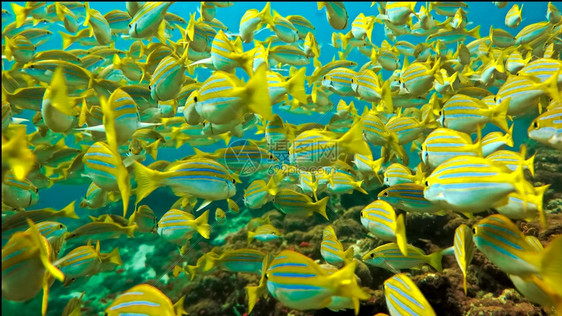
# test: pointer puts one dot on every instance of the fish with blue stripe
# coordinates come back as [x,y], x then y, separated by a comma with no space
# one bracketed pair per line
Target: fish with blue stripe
[300,283]
[403,297]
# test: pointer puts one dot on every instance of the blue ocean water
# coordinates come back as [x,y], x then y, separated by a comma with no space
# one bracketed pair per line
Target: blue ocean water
[483,14]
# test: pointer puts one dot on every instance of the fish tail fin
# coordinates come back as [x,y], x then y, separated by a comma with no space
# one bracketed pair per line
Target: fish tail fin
[346,284]
[69,212]
[147,180]
[272,187]
[20,13]
[45,300]
[259,100]
[44,249]
[67,39]
[250,236]
[202,225]
[499,115]
[348,255]
[529,163]
[295,86]
[358,187]
[475,32]
[265,14]
[321,207]
[352,141]
[114,257]
[550,272]
[400,232]
[540,197]
[435,260]
[179,307]
[152,149]
[509,136]
[253,295]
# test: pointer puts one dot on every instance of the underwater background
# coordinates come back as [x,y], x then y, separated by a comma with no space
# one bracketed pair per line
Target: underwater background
[147,258]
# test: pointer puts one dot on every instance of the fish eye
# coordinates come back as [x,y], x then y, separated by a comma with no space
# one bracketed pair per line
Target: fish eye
[234,181]
[36,190]
[32,66]
[270,156]
[324,78]
[195,99]
[60,226]
[149,88]
[385,194]
[267,275]
[361,214]
[535,124]
[351,80]
[130,150]
[474,230]
[399,81]
[495,99]
[372,255]
[203,124]
[426,183]
[129,25]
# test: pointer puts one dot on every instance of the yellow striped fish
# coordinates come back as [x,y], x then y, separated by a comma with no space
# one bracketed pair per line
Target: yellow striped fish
[444,143]
[257,194]
[201,177]
[464,114]
[547,128]
[107,171]
[300,283]
[239,260]
[95,231]
[18,221]
[524,92]
[408,197]
[148,19]
[178,226]
[222,97]
[496,140]
[403,297]
[168,77]
[471,184]
[390,257]
[380,219]
[98,25]
[335,13]
[505,245]
[27,267]
[315,148]
[513,16]
[532,32]
[86,261]
[331,249]
[297,204]
[264,233]
[417,78]
[19,194]
[339,80]
[144,219]
[290,55]
[144,299]
[463,249]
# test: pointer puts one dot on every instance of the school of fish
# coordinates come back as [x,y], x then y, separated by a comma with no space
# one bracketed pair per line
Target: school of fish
[98,112]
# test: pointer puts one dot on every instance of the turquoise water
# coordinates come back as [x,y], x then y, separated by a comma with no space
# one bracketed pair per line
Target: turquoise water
[150,258]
